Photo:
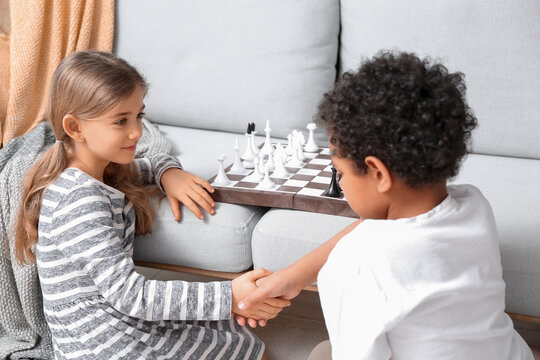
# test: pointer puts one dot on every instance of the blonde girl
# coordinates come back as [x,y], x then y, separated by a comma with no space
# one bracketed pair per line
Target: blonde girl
[83,203]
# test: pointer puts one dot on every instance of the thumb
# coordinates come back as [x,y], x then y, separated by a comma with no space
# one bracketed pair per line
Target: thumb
[259,273]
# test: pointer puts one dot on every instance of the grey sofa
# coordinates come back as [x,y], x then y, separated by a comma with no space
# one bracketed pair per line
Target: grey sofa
[215,65]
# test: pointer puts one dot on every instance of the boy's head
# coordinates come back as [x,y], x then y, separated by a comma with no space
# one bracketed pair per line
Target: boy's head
[408,113]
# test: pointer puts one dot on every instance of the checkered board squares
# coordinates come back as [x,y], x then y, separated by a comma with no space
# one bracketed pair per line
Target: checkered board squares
[303,189]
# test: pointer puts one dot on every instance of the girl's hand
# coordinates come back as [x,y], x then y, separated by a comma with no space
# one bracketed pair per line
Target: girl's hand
[190,190]
[264,309]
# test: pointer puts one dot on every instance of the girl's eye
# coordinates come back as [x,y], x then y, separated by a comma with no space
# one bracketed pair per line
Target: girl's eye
[140,115]
[121,122]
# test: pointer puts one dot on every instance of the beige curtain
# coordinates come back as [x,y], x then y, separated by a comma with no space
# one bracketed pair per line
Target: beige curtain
[35,36]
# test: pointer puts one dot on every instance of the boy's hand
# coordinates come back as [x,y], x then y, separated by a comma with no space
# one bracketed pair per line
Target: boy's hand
[182,186]
[264,309]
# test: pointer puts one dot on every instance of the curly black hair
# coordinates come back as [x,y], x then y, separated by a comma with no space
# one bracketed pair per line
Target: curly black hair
[407,112]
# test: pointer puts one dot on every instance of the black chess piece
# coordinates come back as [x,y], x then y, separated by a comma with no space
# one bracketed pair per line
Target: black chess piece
[333,188]
[250,128]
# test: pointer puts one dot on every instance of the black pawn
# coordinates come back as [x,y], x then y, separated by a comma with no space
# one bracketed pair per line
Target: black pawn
[333,188]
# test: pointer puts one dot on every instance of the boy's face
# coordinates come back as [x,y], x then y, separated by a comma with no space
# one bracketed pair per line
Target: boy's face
[360,189]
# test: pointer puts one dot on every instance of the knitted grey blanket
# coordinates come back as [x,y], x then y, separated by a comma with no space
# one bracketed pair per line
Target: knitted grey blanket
[23,330]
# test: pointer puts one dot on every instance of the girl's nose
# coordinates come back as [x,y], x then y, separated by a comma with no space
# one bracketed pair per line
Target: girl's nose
[135,132]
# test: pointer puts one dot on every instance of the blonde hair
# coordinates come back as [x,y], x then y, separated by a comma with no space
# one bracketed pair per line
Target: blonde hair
[85,84]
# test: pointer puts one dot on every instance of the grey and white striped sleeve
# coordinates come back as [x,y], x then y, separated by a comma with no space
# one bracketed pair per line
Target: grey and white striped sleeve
[84,232]
[153,167]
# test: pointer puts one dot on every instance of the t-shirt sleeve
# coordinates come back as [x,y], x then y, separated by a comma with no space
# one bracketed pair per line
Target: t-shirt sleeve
[151,169]
[84,232]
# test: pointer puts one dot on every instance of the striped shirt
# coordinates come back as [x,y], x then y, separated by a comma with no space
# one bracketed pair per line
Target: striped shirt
[98,306]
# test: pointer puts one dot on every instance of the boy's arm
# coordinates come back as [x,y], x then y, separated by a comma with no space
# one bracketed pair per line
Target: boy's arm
[288,282]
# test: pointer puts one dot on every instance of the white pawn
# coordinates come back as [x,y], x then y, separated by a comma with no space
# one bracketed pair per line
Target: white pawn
[261,162]
[267,148]
[249,155]
[280,170]
[300,141]
[256,175]
[281,151]
[269,165]
[267,183]
[288,149]
[221,177]
[311,146]
[237,166]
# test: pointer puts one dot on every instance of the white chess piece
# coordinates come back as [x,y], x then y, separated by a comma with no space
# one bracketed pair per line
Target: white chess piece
[280,170]
[266,183]
[249,155]
[281,151]
[288,149]
[300,141]
[295,160]
[253,146]
[237,166]
[221,178]
[261,162]
[269,165]
[311,146]
[256,175]
[267,148]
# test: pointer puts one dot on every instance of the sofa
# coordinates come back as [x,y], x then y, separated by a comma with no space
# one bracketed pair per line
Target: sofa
[214,65]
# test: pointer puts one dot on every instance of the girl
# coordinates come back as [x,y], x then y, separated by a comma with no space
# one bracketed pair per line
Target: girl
[83,203]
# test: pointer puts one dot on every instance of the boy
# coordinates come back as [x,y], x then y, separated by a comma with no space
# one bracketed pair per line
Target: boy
[419,276]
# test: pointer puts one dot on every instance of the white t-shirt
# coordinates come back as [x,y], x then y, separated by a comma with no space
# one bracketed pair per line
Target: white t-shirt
[427,287]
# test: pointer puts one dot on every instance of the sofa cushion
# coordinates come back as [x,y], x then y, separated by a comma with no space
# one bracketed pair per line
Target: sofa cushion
[219,64]
[283,236]
[221,242]
[511,186]
[493,42]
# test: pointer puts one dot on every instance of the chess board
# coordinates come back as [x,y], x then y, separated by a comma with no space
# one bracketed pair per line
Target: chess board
[302,190]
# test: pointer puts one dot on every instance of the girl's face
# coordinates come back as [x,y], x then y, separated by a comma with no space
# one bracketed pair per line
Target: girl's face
[113,136]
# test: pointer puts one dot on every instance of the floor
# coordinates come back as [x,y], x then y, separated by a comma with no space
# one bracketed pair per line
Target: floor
[299,328]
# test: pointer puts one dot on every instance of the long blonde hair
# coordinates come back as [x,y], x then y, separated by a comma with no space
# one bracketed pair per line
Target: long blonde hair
[85,84]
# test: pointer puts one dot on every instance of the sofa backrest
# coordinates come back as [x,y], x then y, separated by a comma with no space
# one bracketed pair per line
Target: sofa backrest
[218,65]
[495,43]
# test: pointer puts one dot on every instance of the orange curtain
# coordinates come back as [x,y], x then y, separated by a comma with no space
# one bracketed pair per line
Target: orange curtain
[35,37]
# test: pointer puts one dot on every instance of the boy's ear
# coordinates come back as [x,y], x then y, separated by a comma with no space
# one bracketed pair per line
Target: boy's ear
[72,127]
[380,173]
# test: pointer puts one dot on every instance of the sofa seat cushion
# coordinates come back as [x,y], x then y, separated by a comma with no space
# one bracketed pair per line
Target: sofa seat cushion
[221,242]
[283,236]
[511,186]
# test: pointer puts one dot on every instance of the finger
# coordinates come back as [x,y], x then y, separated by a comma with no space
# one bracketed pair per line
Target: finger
[277,302]
[240,320]
[204,184]
[255,296]
[204,193]
[262,323]
[191,206]
[252,323]
[263,315]
[175,207]
[195,196]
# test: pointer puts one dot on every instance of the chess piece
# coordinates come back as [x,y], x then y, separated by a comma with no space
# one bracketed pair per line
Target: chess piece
[267,148]
[249,155]
[270,163]
[256,175]
[311,146]
[221,178]
[252,133]
[288,149]
[261,162]
[333,189]
[267,183]
[237,166]
[281,151]
[280,170]
[295,160]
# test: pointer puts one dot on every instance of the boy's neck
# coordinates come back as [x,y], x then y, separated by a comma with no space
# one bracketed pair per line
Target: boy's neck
[407,202]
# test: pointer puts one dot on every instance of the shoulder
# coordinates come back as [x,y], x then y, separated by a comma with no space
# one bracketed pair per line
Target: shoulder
[74,189]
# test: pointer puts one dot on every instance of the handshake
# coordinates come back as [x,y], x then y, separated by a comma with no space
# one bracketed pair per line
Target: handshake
[260,295]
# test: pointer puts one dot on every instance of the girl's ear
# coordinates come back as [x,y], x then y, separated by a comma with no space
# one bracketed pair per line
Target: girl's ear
[72,127]
[379,172]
